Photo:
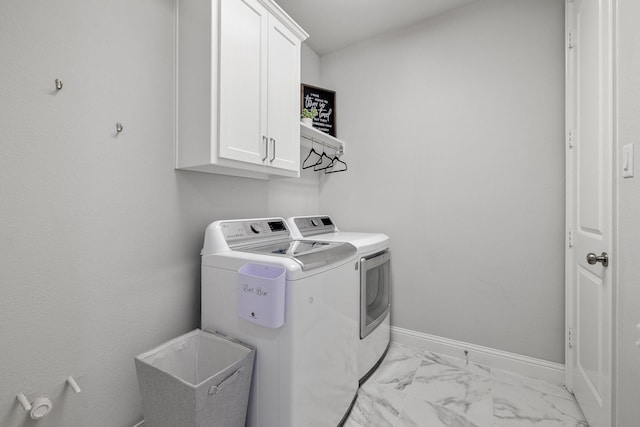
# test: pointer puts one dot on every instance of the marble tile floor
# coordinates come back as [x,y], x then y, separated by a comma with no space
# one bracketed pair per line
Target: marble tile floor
[415,388]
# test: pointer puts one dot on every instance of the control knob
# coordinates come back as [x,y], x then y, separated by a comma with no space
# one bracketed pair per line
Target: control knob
[255,228]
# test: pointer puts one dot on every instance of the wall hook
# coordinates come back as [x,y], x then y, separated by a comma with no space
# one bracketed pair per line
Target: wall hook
[73,384]
[58,84]
[119,127]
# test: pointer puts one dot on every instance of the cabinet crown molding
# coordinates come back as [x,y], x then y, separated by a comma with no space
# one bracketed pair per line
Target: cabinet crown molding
[292,25]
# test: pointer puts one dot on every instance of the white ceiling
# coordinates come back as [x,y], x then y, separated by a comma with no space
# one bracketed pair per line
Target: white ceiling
[334,24]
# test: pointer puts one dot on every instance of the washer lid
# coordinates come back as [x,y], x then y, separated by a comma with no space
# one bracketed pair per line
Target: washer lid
[309,254]
[365,242]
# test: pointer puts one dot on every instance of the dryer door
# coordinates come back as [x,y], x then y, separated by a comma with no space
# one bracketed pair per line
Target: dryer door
[375,288]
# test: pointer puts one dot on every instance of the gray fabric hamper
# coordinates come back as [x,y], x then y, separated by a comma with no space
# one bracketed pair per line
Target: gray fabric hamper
[198,379]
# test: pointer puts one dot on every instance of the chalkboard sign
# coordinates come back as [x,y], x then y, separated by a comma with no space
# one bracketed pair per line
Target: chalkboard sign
[324,101]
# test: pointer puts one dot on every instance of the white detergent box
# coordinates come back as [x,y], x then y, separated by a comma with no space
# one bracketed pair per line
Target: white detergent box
[261,294]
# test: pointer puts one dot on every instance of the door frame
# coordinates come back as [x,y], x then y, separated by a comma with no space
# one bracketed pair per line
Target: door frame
[570,291]
[569,208]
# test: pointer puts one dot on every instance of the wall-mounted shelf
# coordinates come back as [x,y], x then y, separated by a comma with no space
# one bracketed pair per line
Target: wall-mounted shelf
[309,135]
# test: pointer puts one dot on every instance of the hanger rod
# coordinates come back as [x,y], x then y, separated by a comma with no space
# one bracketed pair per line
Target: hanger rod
[339,149]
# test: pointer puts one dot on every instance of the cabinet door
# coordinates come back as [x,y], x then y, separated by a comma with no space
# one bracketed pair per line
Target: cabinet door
[283,97]
[243,81]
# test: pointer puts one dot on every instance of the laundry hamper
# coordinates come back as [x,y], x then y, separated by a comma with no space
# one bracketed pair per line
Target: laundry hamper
[198,379]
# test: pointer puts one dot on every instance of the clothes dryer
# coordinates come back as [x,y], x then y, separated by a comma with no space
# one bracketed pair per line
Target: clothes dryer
[306,370]
[374,285]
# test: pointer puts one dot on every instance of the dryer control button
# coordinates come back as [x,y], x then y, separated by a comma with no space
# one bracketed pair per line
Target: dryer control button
[255,228]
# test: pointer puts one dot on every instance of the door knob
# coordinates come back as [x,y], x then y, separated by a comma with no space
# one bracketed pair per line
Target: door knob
[593,258]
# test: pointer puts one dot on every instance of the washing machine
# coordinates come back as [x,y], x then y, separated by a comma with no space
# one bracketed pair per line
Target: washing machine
[306,369]
[373,284]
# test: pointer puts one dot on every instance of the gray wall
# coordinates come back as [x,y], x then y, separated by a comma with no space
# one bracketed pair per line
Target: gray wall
[456,150]
[99,236]
[628,298]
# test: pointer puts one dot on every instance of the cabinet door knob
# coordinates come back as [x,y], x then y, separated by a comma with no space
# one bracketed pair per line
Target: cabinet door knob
[273,149]
[266,148]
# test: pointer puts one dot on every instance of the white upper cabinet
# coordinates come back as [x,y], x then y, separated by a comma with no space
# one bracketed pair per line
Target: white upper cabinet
[238,88]
[284,67]
[243,80]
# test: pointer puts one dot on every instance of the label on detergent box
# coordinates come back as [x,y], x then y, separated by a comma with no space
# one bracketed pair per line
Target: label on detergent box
[259,292]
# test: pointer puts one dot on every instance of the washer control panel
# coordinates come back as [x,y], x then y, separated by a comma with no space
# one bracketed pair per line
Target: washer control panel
[234,231]
[313,225]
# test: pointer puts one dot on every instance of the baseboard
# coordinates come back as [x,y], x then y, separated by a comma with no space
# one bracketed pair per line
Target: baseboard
[523,365]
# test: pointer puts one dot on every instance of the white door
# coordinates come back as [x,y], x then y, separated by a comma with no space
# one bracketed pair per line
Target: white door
[589,206]
[283,97]
[243,73]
